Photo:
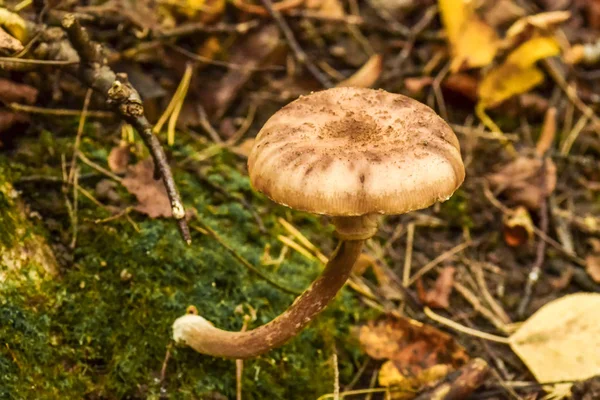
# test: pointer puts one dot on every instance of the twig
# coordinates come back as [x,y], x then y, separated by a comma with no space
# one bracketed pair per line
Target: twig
[163,369]
[478,307]
[299,54]
[126,100]
[239,366]
[487,296]
[461,328]
[86,103]
[433,263]
[200,27]
[410,235]
[460,384]
[59,112]
[536,269]
[336,377]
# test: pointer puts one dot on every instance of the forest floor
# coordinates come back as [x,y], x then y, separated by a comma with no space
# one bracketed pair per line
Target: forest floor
[492,294]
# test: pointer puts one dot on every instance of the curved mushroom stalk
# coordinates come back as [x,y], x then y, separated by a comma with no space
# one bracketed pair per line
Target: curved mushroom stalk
[205,338]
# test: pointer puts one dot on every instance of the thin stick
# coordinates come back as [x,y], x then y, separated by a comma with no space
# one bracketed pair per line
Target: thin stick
[303,240]
[98,168]
[442,257]
[290,243]
[536,269]
[487,296]
[479,308]
[410,235]
[86,103]
[94,71]
[461,328]
[57,63]
[239,366]
[336,377]
[299,54]
[59,112]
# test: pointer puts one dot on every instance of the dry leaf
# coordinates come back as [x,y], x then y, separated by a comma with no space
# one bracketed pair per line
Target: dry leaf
[118,159]
[151,194]
[7,42]
[411,345]
[561,341]
[416,354]
[518,74]
[17,92]
[439,296]
[405,387]
[463,84]
[521,182]
[542,21]
[592,266]
[367,75]
[500,12]
[416,85]
[473,42]
[14,24]
[251,52]
[518,227]
[327,8]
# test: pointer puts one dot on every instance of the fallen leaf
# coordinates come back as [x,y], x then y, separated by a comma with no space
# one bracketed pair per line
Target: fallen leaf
[327,8]
[118,159]
[463,84]
[14,24]
[367,75]
[518,227]
[12,92]
[561,341]
[416,85]
[151,194]
[7,42]
[411,345]
[543,22]
[473,43]
[520,180]
[251,52]
[501,12]
[563,280]
[439,296]
[518,74]
[592,266]
[405,387]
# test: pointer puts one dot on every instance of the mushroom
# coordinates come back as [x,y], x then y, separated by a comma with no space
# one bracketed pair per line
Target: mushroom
[350,153]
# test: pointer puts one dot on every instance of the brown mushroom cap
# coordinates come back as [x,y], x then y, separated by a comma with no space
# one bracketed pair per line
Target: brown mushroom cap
[351,151]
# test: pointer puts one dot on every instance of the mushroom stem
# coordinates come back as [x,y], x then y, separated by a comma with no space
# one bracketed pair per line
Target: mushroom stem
[203,337]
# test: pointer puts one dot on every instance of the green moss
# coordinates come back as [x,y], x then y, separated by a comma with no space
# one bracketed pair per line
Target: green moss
[98,335]
[456,210]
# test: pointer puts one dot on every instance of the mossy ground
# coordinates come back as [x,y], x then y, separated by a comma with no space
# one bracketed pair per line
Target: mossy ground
[88,333]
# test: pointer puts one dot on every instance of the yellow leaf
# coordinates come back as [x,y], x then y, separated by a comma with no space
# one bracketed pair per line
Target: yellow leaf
[517,74]
[14,24]
[561,341]
[406,386]
[472,41]
[367,75]
[532,51]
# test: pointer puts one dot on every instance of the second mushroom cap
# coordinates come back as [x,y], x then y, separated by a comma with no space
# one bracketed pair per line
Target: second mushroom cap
[352,151]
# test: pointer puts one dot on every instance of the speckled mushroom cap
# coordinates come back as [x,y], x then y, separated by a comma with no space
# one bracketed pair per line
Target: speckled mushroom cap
[350,151]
